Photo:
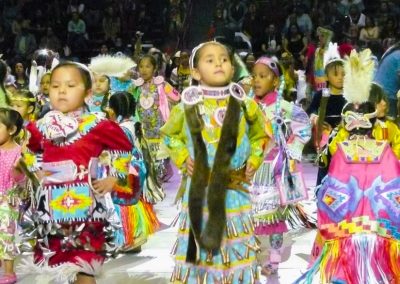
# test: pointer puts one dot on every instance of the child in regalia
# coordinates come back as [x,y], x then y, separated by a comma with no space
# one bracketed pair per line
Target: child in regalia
[358,208]
[154,97]
[83,162]
[291,129]
[219,136]
[97,102]
[138,219]
[10,124]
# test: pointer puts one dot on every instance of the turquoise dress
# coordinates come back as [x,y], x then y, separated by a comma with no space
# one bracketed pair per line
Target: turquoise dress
[235,261]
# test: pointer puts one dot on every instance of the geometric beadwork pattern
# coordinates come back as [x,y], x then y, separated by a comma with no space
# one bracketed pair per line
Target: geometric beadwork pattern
[337,199]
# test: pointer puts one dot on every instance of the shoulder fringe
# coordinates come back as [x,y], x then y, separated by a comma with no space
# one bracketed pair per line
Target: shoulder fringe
[63,273]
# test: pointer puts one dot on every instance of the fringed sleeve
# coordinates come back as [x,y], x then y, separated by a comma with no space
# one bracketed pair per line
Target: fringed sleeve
[174,137]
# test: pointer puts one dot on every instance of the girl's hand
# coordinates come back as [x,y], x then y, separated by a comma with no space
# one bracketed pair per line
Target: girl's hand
[189,166]
[102,186]
[250,172]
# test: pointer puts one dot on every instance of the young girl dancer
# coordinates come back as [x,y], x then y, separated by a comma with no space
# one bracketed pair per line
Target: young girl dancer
[357,202]
[66,148]
[97,102]
[10,125]
[154,97]
[139,219]
[219,136]
[270,214]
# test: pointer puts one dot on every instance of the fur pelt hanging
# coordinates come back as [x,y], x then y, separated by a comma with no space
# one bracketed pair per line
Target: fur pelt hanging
[214,183]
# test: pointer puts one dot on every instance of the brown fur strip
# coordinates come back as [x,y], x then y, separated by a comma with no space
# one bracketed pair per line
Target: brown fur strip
[213,232]
[199,180]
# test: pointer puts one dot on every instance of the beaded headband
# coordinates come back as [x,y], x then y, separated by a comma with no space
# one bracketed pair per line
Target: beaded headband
[271,64]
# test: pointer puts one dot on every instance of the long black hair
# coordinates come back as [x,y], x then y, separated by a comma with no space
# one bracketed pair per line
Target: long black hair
[123,104]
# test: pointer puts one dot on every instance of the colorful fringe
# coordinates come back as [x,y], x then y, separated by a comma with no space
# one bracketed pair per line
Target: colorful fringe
[138,221]
[363,258]
[235,262]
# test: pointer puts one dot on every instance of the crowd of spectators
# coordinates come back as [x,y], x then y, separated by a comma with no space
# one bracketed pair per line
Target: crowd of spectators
[81,29]
[277,26]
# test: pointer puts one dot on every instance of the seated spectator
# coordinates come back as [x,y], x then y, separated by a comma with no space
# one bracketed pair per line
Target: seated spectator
[50,41]
[389,33]
[355,17]
[218,25]
[301,18]
[111,24]
[77,32]
[17,25]
[25,42]
[236,13]
[180,76]
[252,26]
[383,14]
[271,41]
[295,43]
[21,79]
[344,6]
[370,32]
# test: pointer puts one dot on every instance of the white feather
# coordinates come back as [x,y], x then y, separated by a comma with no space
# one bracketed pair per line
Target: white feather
[331,54]
[115,66]
[358,75]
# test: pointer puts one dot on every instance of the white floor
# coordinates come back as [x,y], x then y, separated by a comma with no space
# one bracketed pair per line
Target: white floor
[154,264]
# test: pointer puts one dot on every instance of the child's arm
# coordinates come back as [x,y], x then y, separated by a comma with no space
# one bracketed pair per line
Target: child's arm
[174,138]
[116,143]
[259,135]
[172,94]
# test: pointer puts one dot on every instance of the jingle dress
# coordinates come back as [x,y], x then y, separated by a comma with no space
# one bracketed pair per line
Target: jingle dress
[235,260]
[153,109]
[73,226]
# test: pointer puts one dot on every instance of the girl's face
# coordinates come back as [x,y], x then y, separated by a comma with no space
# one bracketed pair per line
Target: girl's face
[22,107]
[264,80]
[214,67]
[146,69]
[101,85]
[19,68]
[335,77]
[67,90]
[4,134]
[45,84]
[381,109]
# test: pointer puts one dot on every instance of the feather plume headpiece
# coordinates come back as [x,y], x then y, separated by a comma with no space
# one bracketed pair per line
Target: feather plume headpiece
[113,66]
[358,70]
[331,54]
